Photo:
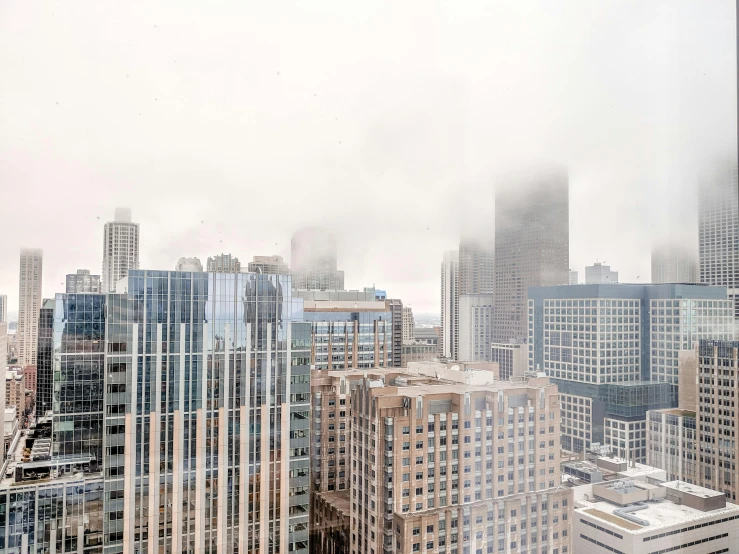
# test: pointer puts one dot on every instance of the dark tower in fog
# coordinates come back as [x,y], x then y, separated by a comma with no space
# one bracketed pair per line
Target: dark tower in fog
[532,243]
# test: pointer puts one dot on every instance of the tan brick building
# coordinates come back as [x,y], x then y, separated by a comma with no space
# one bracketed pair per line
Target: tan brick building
[449,467]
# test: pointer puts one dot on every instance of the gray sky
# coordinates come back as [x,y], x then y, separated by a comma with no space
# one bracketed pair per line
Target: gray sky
[384,121]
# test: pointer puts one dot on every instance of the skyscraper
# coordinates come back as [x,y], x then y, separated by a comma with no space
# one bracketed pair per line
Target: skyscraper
[223,263]
[207,415]
[612,352]
[188,264]
[475,327]
[120,248]
[674,262]
[82,281]
[718,230]
[449,338]
[314,260]
[408,324]
[45,358]
[3,308]
[476,266]
[531,243]
[268,264]
[573,277]
[31,272]
[600,274]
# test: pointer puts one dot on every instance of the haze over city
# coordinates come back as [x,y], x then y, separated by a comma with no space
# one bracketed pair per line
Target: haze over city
[227,129]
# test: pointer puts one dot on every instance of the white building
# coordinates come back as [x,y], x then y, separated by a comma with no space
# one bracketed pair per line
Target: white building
[408,324]
[120,248]
[475,327]
[3,308]
[188,264]
[633,516]
[272,265]
[674,263]
[31,270]
[449,338]
[599,274]
[573,277]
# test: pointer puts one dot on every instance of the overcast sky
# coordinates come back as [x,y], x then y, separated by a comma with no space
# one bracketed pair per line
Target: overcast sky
[384,121]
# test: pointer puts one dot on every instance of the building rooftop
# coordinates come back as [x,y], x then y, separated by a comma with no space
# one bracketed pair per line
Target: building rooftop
[341,500]
[679,412]
[658,511]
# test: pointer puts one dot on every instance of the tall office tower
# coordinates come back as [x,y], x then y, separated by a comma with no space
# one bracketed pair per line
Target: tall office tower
[349,329]
[437,463]
[188,264]
[3,309]
[674,263]
[396,349]
[449,338]
[31,270]
[120,248]
[82,281]
[573,277]
[600,274]
[268,264]
[209,400]
[409,324]
[718,417]
[314,260]
[78,393]
[45,359]
[718,231]
[531,244]
[223,263]
[476,266]
[613,352]
[475,327]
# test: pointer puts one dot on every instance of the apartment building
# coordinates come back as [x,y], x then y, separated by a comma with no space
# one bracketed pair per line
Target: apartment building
[446,467]
[120,249]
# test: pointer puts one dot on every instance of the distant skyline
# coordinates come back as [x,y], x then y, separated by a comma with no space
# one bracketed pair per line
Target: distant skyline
[188,115]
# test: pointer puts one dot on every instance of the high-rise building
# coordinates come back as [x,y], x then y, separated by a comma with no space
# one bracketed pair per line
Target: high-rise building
[3,309]
[600,274]
[223,263]
[188,264]
[31,273]
[613,352]
[718,417]
[476,266]
[531,244]
[45,359]
[15,390]
[82,281]
[408,324]
[674,263]
[78,388]
[449,338]
[396,348]
[268,264]
[573,277]
[120,248]
[210,400]
[437,465]
[475,327]
[314,260]
[718,230]
[349,329]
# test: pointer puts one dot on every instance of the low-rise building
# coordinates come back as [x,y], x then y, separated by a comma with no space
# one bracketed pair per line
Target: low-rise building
[633,516]
[417,351]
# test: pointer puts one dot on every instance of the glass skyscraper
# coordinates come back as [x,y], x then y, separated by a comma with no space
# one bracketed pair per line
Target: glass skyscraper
[207,414]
